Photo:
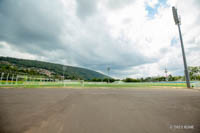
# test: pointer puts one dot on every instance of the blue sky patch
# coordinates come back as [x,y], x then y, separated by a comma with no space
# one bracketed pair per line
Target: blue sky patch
[174,41]
[152,11]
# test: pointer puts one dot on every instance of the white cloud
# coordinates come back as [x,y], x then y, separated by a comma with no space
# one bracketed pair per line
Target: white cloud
[152,3]
[8,50]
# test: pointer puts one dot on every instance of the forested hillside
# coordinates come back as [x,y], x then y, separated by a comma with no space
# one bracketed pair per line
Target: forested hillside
[40,68]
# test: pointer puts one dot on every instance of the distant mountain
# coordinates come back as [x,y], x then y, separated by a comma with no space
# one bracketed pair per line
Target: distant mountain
[46,69]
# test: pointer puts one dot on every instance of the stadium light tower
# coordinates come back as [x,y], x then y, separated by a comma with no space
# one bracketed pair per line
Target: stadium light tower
[178,22]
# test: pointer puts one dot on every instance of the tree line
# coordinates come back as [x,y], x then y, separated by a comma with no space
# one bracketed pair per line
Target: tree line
[194,72]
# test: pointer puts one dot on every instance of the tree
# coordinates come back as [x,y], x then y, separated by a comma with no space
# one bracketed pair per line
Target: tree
[194,72]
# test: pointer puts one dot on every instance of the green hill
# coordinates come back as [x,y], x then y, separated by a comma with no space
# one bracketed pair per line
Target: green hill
[40,68]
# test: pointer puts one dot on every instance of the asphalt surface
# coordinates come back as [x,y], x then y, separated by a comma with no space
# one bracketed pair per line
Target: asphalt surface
[99,110]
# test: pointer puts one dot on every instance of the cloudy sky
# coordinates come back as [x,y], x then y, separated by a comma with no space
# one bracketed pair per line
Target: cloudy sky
[135,38]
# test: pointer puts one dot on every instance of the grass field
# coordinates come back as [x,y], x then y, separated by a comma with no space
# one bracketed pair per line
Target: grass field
[21,84]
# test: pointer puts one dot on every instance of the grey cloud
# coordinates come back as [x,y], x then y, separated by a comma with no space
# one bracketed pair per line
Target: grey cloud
[86,8]
[115,4]
[106,52]
[1,46]
[29,24]
[197,2]
[95,48]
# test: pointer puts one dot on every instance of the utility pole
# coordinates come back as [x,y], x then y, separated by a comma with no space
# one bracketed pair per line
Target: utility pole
[178,22]
[166,73]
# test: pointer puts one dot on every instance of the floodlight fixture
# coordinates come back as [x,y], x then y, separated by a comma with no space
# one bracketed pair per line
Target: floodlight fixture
[175,14]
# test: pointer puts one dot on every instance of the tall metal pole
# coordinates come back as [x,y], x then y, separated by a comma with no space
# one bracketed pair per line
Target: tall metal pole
[184,58]
[177,22]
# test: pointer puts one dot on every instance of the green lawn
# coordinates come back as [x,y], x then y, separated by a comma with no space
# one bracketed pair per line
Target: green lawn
[21,84]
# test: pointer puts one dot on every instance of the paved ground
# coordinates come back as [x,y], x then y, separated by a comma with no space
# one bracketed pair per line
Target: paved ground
[99,111]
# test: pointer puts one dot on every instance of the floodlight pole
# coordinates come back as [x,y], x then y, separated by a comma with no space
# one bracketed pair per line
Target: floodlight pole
[177,22]
[184,58]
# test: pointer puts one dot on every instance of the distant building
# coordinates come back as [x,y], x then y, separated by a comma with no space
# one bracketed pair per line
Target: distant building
[45,72]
